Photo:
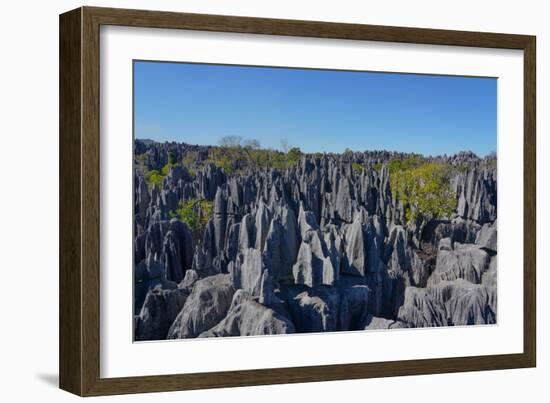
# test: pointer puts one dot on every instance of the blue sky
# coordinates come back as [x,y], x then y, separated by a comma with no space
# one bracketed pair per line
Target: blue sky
[316,110]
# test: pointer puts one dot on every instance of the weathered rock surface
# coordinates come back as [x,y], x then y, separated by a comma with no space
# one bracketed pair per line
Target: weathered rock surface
[449,303]
[205,307]
[477,189]
[376,323]
[454,261]
[487,237]
[320,246]
[159,310]
[247,317]
[314,310]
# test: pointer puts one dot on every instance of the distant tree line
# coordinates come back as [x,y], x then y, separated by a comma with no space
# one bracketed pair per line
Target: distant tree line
[236,154]
[421,184]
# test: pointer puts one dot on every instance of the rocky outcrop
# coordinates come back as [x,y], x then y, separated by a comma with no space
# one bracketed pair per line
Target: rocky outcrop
[205,307]
[477,189]
[487,238]
[455,260]
[177,250]
[449,303]
[314,310]
[247,317]
[314,265]
[159,311]
[364,237]
[376,323]
[321,245]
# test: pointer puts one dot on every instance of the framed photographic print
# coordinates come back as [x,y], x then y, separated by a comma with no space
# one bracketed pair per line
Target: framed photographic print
[278,201]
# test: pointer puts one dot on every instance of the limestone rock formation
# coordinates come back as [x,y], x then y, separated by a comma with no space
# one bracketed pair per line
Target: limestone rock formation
[455,260]
[247,317]
[318,245]
[206,306]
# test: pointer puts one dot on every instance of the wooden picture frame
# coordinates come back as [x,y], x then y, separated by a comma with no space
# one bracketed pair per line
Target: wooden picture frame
[79,346]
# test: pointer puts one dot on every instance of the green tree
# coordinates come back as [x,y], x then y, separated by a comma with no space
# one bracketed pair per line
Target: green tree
[293,156]
[195,213]
[357,167]
[190,161]
[222,157]
[423,188]
[154,178]
[171,157]
[166,169]
[141,162]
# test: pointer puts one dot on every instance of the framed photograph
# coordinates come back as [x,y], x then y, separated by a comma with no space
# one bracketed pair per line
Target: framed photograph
[249,201]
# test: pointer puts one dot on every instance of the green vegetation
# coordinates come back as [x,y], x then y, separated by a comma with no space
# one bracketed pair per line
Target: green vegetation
[141,162]
[490,162]
[223,158]
[357,167]
[171,162]
[154,178]
[423,187]
[195,213]
[236,155]
[189,161]
[293,156]
[166,169]
[406,164]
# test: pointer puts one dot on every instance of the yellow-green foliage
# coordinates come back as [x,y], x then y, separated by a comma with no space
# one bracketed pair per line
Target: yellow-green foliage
[405,164]
[195,213]
[490,163]
[171,162]
[357,167]
[238,158]
[154,178]
[190,160]
[423,187]
[293,156]
[166,169]
[223,157]
[141,163]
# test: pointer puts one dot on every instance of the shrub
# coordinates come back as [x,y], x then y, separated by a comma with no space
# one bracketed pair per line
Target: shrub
[154,178]
[195,213]
[357,167]
[190,159]
[172,158]
[141,162]
[166,168]
[293,156]
[223,157]
[423,188]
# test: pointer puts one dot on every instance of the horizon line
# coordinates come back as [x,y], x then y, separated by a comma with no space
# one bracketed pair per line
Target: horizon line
[451,154]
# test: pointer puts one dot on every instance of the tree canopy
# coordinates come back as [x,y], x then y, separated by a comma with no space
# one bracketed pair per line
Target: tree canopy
[423,188]
[195,213]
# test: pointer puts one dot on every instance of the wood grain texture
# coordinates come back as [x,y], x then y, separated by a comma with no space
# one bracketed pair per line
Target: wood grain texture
[70,314]
[80,196]
[90,202]
[530,203]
